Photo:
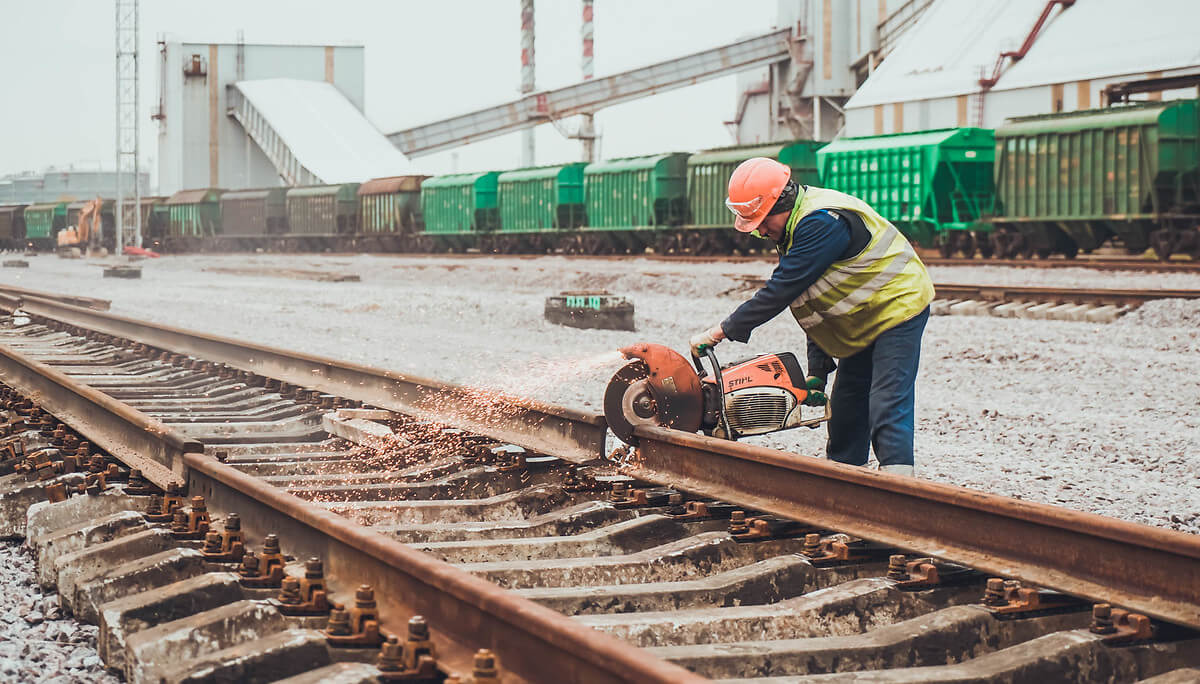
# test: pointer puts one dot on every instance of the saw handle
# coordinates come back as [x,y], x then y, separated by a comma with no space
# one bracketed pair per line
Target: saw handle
[716,370]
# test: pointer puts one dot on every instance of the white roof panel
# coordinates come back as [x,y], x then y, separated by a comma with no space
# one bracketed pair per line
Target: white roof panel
[956,41]
[324,130]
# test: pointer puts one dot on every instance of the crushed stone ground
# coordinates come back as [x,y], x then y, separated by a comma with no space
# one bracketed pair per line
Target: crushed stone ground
[1095,417]
[37,642]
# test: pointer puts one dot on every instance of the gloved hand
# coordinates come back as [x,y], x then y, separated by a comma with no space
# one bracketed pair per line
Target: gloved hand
[816,391]
[709,338]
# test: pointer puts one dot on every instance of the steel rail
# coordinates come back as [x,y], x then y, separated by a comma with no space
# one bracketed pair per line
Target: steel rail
[1088,295]
[532,641]
[134,438]
[465,611]
[566,433]
[1146,569]
[86,302]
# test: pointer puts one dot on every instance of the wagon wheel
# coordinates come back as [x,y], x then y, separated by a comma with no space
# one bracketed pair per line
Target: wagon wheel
[1070,251]
[1043,252]
[1164,242]
[966,243]
[945,246]
[597,244]
[983,241]
[666,243]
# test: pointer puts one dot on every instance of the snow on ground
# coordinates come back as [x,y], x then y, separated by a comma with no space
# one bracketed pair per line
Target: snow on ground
[1101,418]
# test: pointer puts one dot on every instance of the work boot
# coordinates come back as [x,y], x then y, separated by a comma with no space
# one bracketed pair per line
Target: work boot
[905,470]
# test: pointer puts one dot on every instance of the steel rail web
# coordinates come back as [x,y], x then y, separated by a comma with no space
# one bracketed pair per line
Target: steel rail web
[1146,569]
[566,433]
[533,641]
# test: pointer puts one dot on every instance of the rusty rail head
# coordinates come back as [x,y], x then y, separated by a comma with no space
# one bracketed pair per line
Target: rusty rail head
[1066,295]
[535,642]
[563,432]
[1147,569]
[134,438]
[74,300]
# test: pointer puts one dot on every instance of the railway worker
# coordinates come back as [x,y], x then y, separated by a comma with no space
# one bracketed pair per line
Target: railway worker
[860,292]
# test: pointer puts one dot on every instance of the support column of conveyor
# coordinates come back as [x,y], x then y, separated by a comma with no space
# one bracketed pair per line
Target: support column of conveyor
[589,96]
[260,131]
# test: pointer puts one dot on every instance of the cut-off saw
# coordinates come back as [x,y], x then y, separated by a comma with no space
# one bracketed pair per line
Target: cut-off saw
[659,387]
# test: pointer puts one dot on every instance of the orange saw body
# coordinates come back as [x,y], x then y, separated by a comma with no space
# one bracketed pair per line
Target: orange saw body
[659,387]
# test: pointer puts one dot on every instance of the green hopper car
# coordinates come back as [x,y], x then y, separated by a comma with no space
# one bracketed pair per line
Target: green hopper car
[192,216]
[254,214]
[1072,181]
[935,186]
[635,199]
[536,204]
[42,223]
[459,207]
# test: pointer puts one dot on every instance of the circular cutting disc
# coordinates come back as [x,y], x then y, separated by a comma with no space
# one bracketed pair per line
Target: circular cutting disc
[628,402]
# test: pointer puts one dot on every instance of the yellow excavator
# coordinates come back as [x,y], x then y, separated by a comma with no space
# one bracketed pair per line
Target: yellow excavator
[86,234]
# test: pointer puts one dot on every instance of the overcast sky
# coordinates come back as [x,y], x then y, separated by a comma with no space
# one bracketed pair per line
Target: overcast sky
[424,61]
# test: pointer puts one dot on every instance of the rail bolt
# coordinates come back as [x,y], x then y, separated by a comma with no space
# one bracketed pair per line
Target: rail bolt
[737,522]
[485,670]
[994,594]
[1102,620]
[897,567]
[339,622]
[812,544]
[619,491]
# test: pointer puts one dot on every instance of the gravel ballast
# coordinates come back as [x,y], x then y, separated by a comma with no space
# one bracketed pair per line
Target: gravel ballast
[38,643]
[1095,417]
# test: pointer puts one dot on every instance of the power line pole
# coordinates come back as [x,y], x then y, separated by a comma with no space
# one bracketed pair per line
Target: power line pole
[129,227]
[527,79]
[587,127]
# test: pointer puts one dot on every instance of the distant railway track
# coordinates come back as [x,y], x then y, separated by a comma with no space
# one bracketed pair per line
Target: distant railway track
[494,519]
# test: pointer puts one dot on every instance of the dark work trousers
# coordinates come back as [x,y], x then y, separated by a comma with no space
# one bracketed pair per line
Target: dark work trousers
[873,396]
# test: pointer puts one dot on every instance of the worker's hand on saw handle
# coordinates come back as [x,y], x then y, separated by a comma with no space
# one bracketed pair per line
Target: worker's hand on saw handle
[816,391]
[705,340]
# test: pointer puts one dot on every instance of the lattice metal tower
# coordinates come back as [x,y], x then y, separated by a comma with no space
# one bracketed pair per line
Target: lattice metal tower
[128,217]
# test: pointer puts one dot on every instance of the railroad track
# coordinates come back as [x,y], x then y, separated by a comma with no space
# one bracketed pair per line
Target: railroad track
[497,521]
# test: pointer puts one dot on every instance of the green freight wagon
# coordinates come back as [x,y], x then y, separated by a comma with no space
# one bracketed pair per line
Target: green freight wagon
[389,211]
[634,199]
[324,211]
[192,216]
[42,223]
[458,208]
[254,213]
[935,186]
[537,203]
[708,176]
[12,226]
[1072,181]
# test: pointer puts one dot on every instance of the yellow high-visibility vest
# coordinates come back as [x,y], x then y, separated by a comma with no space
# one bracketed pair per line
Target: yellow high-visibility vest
[857,299]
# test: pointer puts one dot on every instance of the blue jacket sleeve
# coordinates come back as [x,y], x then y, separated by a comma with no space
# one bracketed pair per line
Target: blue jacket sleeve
[820,239]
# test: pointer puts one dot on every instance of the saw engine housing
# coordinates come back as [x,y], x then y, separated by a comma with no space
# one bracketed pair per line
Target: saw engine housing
[754,397]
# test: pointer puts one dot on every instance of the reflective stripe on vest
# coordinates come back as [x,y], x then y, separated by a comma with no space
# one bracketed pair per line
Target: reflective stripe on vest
[857,299]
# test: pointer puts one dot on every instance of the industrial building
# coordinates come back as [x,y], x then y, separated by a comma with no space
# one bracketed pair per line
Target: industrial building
[979,63]
[65,184]
[213,134]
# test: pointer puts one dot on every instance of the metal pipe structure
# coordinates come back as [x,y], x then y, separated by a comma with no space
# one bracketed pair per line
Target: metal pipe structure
[528,151]
[587,126]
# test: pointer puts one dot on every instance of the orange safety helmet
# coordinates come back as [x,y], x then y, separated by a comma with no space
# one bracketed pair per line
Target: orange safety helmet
[754,187]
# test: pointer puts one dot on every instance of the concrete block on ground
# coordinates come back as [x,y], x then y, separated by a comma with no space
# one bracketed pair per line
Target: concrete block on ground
[20,494]
[1076,313]
[1035,311]
[45,517]
[968,308]
[278,656]
[1008,309]
[152,653]
[134,577]
[127,616]
[16,263]
[338,673]
[52,545]
[1104,314]
[1058,312]
[74,569]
